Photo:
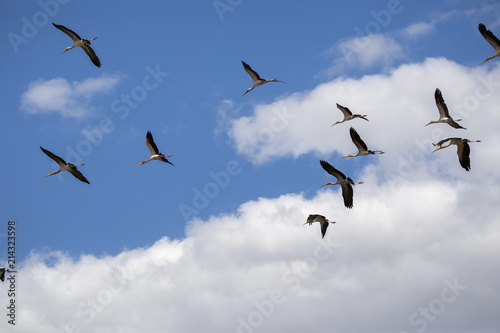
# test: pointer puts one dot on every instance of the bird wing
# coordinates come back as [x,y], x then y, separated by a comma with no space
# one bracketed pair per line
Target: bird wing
[344,110]
[331,170]
[360,144]
[440,143]
[454,124]
[153,150]
[312,218]
[463,152]
[78,175]
[347,193]
[441,105]
[56,158]
[489,36]
[90,52]
[164,159]
[251,72]
[324,226]
[74,36]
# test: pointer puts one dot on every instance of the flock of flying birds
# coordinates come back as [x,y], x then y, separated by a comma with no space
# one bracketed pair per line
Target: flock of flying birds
[463,149]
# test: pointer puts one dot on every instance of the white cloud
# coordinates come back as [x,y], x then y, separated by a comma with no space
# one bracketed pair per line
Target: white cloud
[398,106]
[396,252]
[418,29]
[226,110]
[69,99]
[364,52]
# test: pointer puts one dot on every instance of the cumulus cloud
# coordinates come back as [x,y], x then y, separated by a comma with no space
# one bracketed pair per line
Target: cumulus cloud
[398,105]
[69,99]
[407,247]
[418,29]
[364,52]
[371,49]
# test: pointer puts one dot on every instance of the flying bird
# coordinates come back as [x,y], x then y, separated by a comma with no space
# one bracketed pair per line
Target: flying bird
[360,144]
[257,81]
[348,115]
[463,149]
[77,41]
[324,222]
[153,150]
[490,38]
[2,273]
[444,116]
[344,182]
[63,166]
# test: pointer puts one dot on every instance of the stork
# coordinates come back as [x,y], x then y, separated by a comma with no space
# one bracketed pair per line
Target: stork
[323,221]
[153,150]
[63,166]
[257,81]
[77,41]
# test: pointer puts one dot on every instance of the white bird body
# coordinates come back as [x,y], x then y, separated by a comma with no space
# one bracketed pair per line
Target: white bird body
[257,81]
[444,116]
[323,221]
[490,38]
[343,181]
[63,166]
[154,152]
[348,115]
[463,149]
[361,145]
[83,43]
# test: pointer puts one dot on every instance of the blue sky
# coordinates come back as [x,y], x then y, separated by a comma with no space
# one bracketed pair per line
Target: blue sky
[174,68]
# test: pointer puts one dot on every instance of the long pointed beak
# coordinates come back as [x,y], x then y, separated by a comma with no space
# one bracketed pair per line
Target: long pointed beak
[428,124]
[335,123]
[437,149]
[63,51]
[325,184]
[140,164]
[50,174]
[245,93]
[306,223]
[346,156]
